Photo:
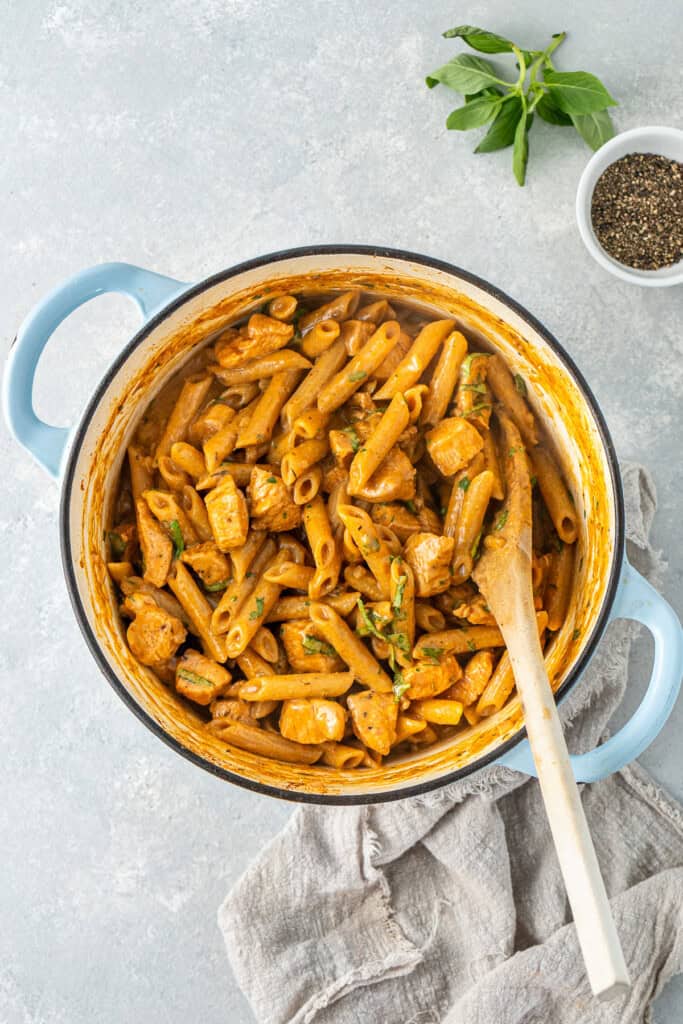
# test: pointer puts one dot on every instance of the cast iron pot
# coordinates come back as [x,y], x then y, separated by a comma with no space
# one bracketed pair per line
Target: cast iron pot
[177,317]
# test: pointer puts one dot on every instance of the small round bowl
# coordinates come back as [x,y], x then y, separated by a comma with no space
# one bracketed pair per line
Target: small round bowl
[663,141]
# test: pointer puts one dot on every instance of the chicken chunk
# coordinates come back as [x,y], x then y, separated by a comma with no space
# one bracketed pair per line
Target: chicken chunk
[262,336]
[312,720]
[452,444]
[199,678]
[374,716]
[272,507]
[393,480]
[154,635]
[228,514]
[209,562]
[428,678]
[306,651]
[429,556]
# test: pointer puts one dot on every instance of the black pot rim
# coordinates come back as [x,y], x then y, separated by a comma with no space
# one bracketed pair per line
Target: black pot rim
[150,325]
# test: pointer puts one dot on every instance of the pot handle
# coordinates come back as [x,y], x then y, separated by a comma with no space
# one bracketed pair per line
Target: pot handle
[636,599]
[45,442]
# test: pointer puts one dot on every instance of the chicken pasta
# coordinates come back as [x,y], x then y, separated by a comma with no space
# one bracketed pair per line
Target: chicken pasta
[298,519]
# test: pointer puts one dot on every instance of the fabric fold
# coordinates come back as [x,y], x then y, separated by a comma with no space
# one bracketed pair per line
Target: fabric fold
[450,907]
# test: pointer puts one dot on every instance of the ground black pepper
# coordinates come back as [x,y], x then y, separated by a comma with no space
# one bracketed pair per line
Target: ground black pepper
[637,211]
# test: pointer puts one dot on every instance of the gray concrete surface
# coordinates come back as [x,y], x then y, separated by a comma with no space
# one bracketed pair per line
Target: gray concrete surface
[185,136]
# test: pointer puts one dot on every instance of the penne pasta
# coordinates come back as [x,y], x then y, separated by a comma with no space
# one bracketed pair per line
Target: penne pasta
[340,388]
[417,358]
[190,400]
[349,647]
[296,685]
[442,384]
[555,495]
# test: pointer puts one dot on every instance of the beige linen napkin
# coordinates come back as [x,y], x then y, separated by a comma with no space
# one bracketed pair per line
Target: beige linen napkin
[449,907]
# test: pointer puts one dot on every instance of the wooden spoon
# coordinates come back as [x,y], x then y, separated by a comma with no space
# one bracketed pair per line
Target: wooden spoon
[503,575]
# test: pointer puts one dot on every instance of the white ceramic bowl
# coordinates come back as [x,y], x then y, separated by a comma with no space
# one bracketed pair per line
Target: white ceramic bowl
[663,141]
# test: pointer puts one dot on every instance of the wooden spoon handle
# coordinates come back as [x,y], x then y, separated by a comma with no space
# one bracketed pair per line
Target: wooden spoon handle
[595,927]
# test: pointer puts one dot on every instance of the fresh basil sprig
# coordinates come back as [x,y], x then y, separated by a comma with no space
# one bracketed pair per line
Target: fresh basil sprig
[562,98]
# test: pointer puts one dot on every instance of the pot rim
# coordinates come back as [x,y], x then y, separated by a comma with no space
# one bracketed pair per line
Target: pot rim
[298,796]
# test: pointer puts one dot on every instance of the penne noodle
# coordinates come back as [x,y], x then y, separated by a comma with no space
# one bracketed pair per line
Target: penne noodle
[380,442]
[402,600]
[296,685]
[376,312]
[555,495]
[416,360]
[320,337]
[474,680]
[303,457]
[262,421]
[141,471]
[263,367]
[558,586]
[291,576]
[442,384]
[299,607]
[502,682]
[493,465]
[461,482]
[174,478]
[307,486]
[361,579]
[506,390]
[438,710]
[265,744]
[195,510]
[470,525]
[261,552]
[310,426]
[305,396]
[354,334]
[283,307]
[372,545]
[188,404]
[167,510]
[198,611]
[427,618]
[460,641]
[350,648]
[319,533]
[340,388]
[265,645]
[341,307]
[338,755]
[189,459]
[252,613]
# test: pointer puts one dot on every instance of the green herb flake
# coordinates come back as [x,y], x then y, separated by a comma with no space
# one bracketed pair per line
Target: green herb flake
[399,686]
[397,602]
[410,505]
[177,537]
[515,450]
[471,646]
[434,653]
[213,587]
[480,389]
[355,377]
[194,677]
[464,483]
[520,384]
[117,545]
[353,437]
[258,612]
[533,481]
[576,634]
[370,545]
[502,520]
[312,645]
[367,619]
[474,550]
[271,480]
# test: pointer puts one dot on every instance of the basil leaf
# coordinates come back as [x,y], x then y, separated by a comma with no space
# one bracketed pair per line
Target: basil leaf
[577,92]
[520,384]
[355,377]
[595,128]
[117,545]
[214,587]
[466,74]
[397,602]
[353,438]
[399,686]
[434,653]
[502,132]
[490,90]
[367,620]
[472,115]
[194,677]
[548,111]
[479,39]
[258,611]
[520,153]
[464,483]
[502,520]
[177,537]
[312,645]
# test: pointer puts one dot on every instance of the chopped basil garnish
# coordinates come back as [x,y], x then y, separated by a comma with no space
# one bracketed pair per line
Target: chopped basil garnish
[271,480]
[520,384]
[434,653]
[355,377]
[474,550]
[397,602]
[177,537]
[117,545]
[464,483]
[258,612]
[471,646]
[410,505]
[353,438]
[367,619]
[194,677]
[312,645]
[399,686]
[213,587]
[502,520]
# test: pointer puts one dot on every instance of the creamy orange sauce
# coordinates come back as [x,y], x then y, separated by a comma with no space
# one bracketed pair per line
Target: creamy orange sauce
[556,401]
